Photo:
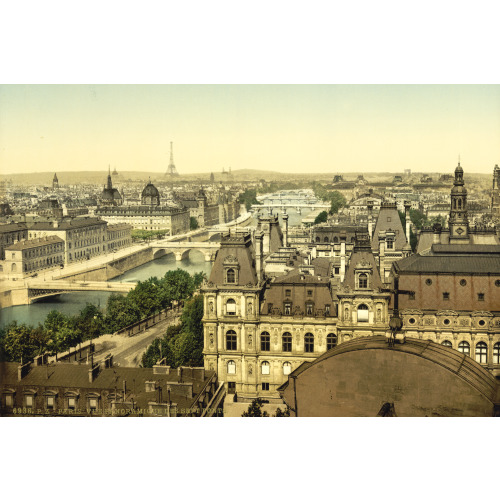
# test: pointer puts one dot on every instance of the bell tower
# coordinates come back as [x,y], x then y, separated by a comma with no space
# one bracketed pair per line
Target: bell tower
[495,193]
[459,222]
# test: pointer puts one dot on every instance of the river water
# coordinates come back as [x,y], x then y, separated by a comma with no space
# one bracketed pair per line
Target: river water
[72,303]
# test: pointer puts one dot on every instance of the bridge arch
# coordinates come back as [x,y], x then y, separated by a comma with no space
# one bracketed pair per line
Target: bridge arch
[161,252]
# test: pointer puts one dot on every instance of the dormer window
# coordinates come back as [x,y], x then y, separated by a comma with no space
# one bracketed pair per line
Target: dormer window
[362,280]
[390,244]
[230,276]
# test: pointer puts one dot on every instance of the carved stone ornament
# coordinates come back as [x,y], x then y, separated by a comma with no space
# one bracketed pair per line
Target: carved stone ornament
[210,284]
[250,340]
[211,340]
[250,369]
[230,259]
[447,312]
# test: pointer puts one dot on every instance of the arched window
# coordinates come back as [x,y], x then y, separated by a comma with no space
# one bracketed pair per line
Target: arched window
[265,368]
[335,239]
[325,239]
[287,368]
[230,276]
[231,307]
[362,313]
[309,342]
[231,340]
[14,268]
[265,341]
[331,341]
[496,354]
[287,342]
[231,367]
[481,352]
[446,343]
[464,347]
[363,280]
[318,239]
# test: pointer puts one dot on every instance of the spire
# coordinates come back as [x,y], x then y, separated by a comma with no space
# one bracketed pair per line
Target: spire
[110,184]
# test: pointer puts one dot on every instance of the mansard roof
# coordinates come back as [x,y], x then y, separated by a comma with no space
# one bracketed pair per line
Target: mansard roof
[240,250]
[487,263]
[388,220]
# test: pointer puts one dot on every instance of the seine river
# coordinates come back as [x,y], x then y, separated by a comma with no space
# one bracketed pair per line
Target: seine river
[72,303]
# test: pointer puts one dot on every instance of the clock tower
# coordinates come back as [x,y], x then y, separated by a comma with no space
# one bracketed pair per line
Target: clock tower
[458,222]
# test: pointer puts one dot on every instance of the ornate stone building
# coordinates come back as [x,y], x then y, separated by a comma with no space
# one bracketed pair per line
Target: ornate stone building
[150,215]
[110,196]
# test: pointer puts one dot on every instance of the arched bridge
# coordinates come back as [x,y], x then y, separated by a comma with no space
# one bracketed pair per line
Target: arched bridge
[40,289]
[181,249]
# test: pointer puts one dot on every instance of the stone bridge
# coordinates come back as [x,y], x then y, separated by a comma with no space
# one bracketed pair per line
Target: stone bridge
[181,249]
[298,206]
[39,289]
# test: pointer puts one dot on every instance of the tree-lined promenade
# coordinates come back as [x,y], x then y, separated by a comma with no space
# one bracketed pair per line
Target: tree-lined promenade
[59,332]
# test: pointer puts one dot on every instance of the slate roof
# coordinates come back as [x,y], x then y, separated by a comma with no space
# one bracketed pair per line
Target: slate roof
[37,242]
[64,225]
[241,248]
[9,228]
[470,264]
[394,224]
[357,257]
[76,376]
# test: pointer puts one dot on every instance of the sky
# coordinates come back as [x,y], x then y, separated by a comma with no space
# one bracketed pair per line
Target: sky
[285,128]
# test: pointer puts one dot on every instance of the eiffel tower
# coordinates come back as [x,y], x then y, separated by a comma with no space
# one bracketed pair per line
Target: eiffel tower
[171,170]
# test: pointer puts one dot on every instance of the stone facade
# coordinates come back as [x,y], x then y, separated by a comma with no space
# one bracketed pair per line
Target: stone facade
[84,238]
[29,256]
[118,236]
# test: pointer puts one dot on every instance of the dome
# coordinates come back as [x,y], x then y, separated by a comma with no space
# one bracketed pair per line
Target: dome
[150,195]
[150,190]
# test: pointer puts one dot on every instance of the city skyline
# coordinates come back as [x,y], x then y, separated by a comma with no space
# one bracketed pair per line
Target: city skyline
[283,128]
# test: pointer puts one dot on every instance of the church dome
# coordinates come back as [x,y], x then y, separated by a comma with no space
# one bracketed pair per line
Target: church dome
[150,195]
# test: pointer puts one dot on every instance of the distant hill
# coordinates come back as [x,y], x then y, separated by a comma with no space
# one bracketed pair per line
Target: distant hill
[100,177]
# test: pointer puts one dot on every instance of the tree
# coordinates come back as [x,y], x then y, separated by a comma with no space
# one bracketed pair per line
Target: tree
[193,223]
[120,312]
[282,413]
[189,345]
[337,201]
[321,217]
[249,198]
[24,342]
[255,409]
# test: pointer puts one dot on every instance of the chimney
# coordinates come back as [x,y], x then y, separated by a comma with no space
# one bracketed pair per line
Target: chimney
[93,372]
[258,254]
[381,253]
[23,370]
[407,220]
[370,219]
[285,230]
[342,257]
[436,239]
